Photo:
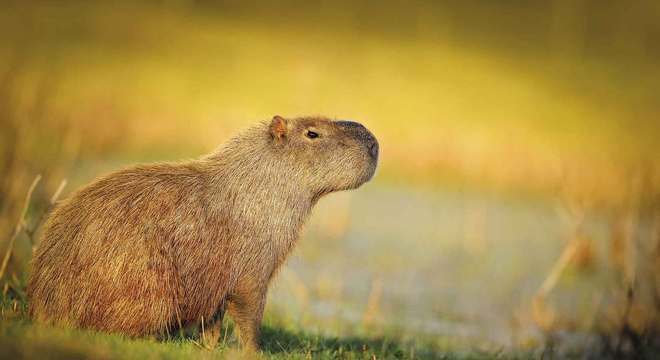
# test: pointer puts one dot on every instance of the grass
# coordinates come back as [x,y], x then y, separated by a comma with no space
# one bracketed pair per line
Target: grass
[19,338]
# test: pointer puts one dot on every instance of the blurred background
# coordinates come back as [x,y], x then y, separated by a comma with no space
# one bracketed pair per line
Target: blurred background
[517,202]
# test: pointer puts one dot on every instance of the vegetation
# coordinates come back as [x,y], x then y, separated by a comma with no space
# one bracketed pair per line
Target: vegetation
[21,339]
[516,211]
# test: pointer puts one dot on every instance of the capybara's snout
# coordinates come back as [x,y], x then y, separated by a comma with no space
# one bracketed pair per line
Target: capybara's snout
[363,135]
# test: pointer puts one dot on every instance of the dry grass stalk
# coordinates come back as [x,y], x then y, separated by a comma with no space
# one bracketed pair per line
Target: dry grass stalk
[578,249]
[31,231]
[544,316]
[19,225]
[373,302]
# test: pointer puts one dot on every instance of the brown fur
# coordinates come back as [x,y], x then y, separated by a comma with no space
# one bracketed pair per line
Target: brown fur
[154,247]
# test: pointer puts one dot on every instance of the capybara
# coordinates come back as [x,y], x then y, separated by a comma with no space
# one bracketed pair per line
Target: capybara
[153,248]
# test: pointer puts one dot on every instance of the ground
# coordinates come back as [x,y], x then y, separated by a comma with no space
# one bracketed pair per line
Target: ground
[19,338]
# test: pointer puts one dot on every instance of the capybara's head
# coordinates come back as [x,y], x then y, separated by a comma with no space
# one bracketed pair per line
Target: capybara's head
[327,155]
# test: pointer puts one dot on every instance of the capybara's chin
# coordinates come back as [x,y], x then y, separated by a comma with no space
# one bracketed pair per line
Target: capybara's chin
[150,248]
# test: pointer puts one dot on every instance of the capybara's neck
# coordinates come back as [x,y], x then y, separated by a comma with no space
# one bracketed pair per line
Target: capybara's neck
[249,187]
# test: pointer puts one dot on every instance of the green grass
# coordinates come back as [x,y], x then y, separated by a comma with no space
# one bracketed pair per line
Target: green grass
[19,338]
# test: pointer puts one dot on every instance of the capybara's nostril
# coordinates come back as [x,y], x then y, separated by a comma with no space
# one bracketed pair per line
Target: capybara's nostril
[373,150]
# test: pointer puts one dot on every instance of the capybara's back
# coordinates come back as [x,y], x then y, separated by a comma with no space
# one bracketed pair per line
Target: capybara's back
[154,247]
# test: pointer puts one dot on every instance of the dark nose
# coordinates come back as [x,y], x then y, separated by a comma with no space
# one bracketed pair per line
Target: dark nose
[373,150]
[362,134]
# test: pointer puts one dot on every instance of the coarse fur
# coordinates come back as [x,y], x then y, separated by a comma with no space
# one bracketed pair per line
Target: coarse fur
[152,248]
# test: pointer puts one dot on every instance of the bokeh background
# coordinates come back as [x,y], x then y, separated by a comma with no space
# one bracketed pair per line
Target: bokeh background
[517,202]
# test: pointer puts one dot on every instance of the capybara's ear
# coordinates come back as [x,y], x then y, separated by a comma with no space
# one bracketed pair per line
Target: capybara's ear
[278,127]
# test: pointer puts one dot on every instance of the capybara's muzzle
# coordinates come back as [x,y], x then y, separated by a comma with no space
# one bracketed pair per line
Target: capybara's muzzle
[359,132]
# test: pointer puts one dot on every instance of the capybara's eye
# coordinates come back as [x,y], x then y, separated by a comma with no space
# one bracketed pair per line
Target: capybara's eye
[312,135]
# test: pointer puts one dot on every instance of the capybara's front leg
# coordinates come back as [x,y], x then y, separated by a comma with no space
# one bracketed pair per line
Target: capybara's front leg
[246,308]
